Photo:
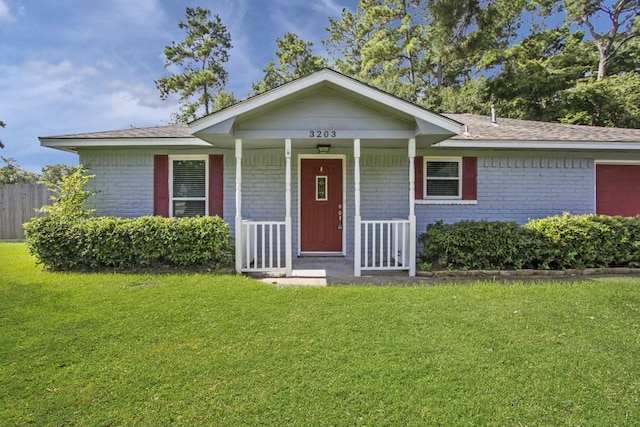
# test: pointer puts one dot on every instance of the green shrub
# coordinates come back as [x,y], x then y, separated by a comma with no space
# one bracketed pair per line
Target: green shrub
[92,244]
[558,242]
[69,239]
[476,245]
[580,241]
[69,195]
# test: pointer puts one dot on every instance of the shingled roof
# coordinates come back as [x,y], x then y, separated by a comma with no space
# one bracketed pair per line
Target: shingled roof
[476,127]
[168,131]
[481,128]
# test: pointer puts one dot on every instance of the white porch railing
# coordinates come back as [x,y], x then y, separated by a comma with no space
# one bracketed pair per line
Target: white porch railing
[385,245]
[263,246]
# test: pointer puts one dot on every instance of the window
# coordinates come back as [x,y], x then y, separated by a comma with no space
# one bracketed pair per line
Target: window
[321,188]
[443,178]
[446,180]
[165,201]
[189,186]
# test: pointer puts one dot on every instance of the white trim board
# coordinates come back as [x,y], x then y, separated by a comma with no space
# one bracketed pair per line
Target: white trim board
[539,145]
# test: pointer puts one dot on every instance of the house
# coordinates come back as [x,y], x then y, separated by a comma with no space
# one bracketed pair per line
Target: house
[328,166]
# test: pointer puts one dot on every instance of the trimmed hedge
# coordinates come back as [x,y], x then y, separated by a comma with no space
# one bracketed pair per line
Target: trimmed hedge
[558,242]
[582,241]
[150,242]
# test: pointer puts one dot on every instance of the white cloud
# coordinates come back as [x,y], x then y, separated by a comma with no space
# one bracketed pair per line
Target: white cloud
[140,11]
[329,7]
[105,64]
[59,98]
[145,95]
[5,13]
[62,69]
[147,15]
[243,67]
[293,16]
[85,94]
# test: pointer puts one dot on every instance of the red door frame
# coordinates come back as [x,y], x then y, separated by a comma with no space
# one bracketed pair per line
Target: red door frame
[342,160]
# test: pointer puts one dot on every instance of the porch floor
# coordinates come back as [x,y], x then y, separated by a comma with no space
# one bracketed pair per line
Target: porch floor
[323,271]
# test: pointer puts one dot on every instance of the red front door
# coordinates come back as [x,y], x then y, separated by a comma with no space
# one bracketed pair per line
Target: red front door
[321,206]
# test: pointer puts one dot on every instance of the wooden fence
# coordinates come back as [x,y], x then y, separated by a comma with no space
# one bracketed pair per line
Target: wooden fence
[18,204]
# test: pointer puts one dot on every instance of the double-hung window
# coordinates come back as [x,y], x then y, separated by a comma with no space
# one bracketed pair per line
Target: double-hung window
[443,178]
[189,186]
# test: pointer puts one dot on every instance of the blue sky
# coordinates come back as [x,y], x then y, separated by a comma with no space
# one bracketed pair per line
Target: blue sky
[70,66]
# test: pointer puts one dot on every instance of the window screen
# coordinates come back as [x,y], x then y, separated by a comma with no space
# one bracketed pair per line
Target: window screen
[189,187]
[443,178]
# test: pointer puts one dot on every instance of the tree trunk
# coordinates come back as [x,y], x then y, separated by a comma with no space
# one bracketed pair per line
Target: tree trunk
[439,74]
[604,58]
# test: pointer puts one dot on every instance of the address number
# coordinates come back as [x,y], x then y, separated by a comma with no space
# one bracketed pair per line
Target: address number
[322,134]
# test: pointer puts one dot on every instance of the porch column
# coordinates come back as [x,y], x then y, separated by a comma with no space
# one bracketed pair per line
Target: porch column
[238,206]
[412,209]
[357,228]
[287,218]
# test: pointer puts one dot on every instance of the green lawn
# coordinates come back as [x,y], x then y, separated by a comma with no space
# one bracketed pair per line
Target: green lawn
[196,349]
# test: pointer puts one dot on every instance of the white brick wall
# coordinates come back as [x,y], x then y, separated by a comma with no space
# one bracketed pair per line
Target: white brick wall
[517,189]
[123,183]
[263,181]
[509,188]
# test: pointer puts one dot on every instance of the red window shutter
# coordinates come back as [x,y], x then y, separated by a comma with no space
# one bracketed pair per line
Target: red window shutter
[216,187]
[161,185]
[469,178]
[419,173]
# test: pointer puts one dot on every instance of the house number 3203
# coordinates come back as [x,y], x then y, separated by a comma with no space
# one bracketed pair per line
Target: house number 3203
[322,134]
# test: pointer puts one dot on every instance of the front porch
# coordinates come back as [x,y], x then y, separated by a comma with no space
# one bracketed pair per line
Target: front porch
[284,207]
[270,246]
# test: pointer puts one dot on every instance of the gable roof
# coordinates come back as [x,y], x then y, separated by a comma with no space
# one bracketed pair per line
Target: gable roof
[474,127]
[427,124]
[445,130]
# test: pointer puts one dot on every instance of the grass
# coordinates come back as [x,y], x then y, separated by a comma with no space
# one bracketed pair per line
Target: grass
[196,349]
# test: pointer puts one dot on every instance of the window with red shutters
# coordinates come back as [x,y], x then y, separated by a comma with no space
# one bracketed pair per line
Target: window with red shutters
[446,178]
[182,187]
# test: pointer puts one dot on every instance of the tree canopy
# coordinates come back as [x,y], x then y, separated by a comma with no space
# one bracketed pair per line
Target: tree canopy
[569,61]
[54,174]
[535,59]
[294,59]
[201,57]
[11,173]
[414,48]
[618,16]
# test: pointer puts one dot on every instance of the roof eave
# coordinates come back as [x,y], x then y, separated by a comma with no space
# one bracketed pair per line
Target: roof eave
[74,144]
[539,145]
